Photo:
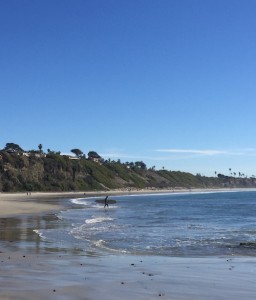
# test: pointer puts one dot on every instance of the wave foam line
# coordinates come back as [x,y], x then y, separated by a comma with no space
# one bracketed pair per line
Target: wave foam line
[98,220]
[40,234]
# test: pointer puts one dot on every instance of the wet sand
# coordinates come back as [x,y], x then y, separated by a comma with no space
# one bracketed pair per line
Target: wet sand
[55,276]
[36,272]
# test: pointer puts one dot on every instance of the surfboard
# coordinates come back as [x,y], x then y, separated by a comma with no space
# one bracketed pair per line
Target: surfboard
[109,201]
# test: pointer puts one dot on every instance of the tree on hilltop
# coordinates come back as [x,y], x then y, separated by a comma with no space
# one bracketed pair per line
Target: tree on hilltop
[93,154]
[77,152]
[141,165]
[12,147]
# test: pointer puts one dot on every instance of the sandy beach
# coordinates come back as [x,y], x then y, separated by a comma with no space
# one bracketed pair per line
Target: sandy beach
[31,276]
[41,274]
[40,202]
[23,203]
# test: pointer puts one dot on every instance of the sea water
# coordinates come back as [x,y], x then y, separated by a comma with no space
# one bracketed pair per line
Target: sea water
[175,224]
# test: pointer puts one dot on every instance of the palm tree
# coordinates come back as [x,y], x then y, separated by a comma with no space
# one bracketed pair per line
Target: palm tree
[40,146]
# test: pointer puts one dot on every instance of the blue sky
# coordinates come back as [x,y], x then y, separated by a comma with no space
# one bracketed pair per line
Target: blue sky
[168,82]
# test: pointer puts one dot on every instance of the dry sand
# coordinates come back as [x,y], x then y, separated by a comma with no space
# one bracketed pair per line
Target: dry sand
[44,275]
[21,203]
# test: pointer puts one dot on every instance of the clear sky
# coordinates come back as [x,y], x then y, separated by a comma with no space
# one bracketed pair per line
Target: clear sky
[168,82]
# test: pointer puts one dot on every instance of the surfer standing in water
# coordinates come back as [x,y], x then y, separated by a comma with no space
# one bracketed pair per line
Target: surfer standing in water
[106,202]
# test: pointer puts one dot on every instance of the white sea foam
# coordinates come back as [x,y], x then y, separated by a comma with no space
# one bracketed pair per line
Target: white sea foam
[80,201]
[99,243]
[85,199]
[98,220]
[102,244]
[40,234]
[89,202]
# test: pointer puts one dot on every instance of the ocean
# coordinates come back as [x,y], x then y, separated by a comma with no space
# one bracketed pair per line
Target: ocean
[175,224]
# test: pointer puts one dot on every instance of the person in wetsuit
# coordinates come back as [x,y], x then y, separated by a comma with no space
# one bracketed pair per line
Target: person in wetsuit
[106,202]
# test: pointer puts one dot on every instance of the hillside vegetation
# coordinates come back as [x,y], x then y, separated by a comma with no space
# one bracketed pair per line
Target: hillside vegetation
[37,171]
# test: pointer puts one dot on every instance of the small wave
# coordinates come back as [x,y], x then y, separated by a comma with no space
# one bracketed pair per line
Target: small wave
[196,226]
[40,234]
[98,220]
[75,200]
[99,243]
[90,203]
[102,245]
[80,201]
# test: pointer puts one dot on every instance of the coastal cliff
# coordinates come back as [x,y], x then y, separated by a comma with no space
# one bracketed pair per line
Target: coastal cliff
[55,172]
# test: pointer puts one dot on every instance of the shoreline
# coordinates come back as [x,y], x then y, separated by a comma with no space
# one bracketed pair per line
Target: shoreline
[20,203]
[38,273]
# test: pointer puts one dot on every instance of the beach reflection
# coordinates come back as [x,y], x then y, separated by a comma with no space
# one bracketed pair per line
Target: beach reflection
[18,232]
